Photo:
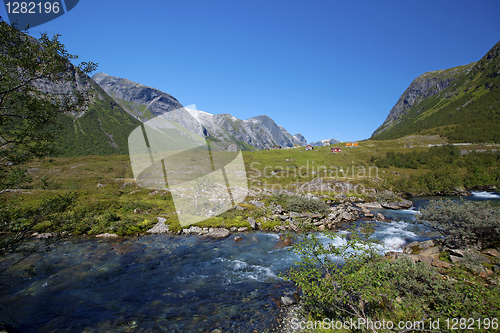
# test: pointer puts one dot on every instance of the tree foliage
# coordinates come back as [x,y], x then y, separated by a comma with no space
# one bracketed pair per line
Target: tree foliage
[435,156]
[37,83]
[446,169]
[18,224]
[331,276]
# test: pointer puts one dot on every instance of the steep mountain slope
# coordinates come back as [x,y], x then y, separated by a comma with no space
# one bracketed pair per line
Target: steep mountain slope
[102,129]
[266,133]
[461,103]
[426,85]
[299,138]
[144,103]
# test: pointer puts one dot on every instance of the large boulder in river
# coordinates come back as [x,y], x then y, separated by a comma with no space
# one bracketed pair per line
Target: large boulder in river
[397,204]
[217,233]
[367,205]
[252,222]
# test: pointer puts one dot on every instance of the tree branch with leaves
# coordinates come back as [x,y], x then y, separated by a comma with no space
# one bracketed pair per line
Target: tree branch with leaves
[38,83]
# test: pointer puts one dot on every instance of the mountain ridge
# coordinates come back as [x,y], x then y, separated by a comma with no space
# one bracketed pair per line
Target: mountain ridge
[466,110]
[425,85]
[144,103]
[101,129]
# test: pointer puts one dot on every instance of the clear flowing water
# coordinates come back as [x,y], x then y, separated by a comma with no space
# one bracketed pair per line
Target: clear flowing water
[160,283]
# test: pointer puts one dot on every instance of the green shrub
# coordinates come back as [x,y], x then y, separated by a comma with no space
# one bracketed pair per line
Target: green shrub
[353,281]
[329,276]
[469,223]
[299,204]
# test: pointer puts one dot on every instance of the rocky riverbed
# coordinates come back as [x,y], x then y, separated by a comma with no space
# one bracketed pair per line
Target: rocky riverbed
[340,215]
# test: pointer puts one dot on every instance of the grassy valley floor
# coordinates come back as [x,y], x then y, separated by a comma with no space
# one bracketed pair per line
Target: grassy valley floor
[107,199]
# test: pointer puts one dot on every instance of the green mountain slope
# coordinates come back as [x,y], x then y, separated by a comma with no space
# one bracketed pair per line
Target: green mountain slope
[102,130]
[467,110]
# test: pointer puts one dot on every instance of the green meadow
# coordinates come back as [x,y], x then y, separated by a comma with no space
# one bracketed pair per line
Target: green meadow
[108,200]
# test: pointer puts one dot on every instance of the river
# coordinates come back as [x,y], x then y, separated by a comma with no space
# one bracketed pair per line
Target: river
[161,283]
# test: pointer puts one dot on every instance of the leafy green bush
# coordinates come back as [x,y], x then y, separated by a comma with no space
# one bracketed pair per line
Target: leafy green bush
[299,204]
[469,223]
[435,156]
[352,281]
[330,279]
[18,224]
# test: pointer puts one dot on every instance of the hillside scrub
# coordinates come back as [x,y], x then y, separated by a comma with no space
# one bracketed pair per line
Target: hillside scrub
[435,156]
[19,223]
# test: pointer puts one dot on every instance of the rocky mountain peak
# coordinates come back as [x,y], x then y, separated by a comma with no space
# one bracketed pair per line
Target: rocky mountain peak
[145,102]
[299,138]
[141,101]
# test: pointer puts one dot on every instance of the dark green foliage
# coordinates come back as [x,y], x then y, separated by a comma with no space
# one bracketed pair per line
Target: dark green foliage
[28,109]
[17,177]
[482,169]
[434,157]
[19,223]
[442,181]
[443,164]
[469,223]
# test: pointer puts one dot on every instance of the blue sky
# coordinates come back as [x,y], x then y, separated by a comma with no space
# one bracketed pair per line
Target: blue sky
[326,69]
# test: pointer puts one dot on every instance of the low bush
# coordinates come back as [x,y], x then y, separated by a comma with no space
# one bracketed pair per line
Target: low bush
[352,281]
[468,223]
